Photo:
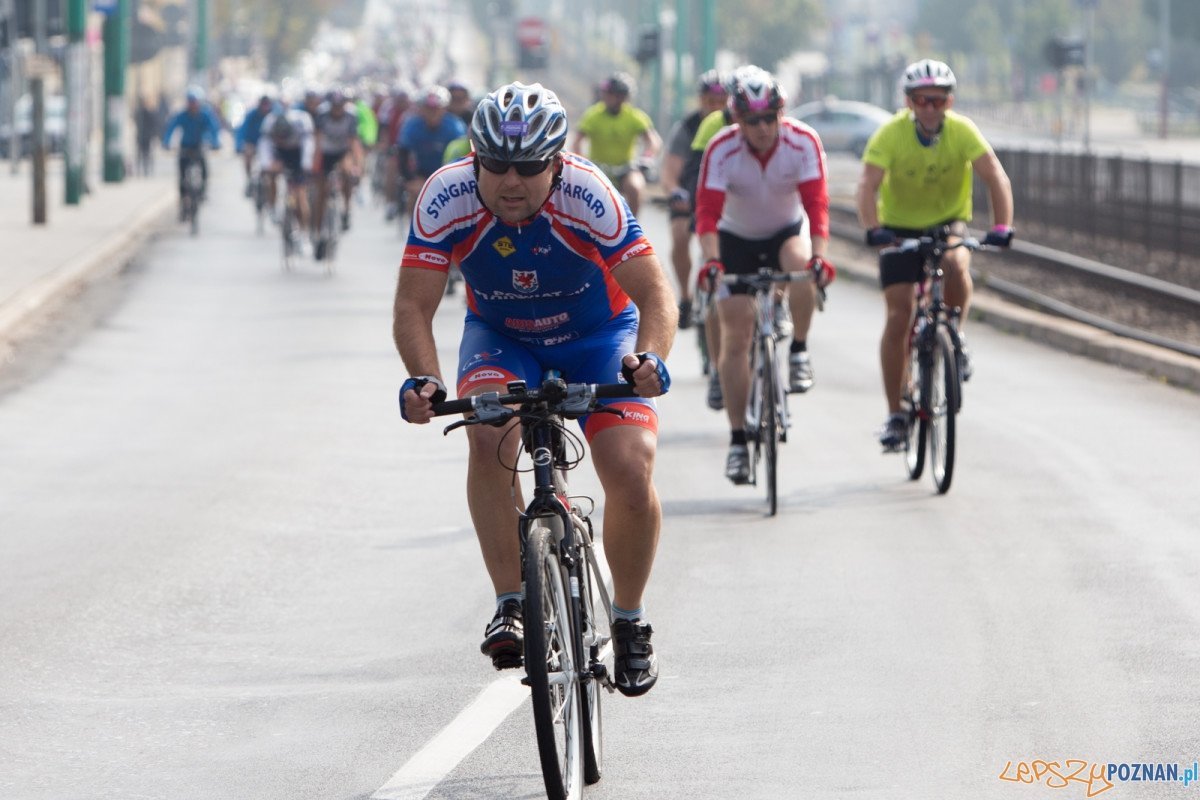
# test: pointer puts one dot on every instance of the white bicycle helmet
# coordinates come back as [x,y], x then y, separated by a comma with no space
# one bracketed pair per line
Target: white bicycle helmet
[928,73]
[519,123]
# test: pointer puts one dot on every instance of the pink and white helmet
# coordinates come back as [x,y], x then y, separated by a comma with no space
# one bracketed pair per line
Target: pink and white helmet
[755,90]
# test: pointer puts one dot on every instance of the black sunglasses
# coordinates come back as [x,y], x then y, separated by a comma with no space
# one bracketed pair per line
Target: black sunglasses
[526,169]
[759,119]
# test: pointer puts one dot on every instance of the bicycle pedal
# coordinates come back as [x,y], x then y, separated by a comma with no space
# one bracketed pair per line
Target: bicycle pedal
[508,661]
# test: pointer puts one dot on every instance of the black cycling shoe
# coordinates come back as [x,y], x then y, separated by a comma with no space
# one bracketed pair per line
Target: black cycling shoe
[636,665]
[504,637]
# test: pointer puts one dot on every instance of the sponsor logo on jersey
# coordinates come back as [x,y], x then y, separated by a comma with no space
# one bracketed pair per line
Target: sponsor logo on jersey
[525,280]
[537,325]
[636,416]
[433,258]
[439,200]
[542,251]
[486,375]
[577,192]
[636,250]
[504,246]
[566,337]
[503,295]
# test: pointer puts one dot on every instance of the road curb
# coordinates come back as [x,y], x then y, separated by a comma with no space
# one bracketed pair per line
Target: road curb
[37,300]
[1073,337]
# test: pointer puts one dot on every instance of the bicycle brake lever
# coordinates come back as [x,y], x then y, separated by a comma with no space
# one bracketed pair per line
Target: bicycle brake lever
[456,425]
[820,298]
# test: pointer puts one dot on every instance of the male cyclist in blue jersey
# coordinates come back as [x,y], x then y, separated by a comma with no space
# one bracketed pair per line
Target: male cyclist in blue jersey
[558,275]
[198,126]
[424,136]
[245,140]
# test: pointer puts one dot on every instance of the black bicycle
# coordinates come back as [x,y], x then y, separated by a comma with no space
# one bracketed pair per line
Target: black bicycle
[767,415]
[933,380]
[568,623]
[192,163]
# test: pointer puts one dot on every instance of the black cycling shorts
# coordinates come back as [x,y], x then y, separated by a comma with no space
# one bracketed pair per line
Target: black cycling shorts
[747,256]
[910,267]
[290,158]
[329,161]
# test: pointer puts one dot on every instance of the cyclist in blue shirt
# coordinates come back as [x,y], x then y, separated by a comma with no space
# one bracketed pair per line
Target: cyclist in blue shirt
[198,125]
[246,139]
[558,274]
[424,136]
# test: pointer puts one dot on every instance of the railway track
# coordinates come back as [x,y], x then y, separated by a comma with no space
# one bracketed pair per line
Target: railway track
[1120,301]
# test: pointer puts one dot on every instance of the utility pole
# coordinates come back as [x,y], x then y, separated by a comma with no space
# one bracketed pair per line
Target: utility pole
[1088,64]
[116,57]
[77,84]
[200,43]
[682,28]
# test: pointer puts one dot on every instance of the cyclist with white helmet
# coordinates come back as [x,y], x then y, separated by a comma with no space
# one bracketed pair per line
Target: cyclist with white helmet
[917,176]
[558,274]
[286,147]
[762,201]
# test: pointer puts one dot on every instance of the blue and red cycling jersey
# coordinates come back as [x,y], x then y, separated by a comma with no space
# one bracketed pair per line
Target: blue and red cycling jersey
[539,294]
[546,281]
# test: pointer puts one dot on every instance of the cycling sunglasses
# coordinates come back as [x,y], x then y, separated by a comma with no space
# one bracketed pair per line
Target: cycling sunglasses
[526,169]
[759,119]
[929,100]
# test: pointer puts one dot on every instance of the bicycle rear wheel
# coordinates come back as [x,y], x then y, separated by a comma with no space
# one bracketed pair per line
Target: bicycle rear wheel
[550,663]
[918,420]
[598,652]
[943,410]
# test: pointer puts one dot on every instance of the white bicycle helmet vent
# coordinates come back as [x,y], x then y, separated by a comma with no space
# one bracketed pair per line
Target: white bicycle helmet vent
[928,73]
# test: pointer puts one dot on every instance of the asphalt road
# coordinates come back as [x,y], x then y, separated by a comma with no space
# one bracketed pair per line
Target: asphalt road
[231,570]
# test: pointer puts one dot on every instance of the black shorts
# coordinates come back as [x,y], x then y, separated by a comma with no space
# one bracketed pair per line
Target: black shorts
[747,256]
[290,158]
[910,267]
[329,161]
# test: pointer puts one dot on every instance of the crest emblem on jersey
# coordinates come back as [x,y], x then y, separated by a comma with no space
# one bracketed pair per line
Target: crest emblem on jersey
[525,280]
[505,247]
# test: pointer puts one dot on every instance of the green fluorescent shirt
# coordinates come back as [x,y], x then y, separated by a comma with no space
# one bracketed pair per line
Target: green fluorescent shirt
[708,129]
[924,186]
[612,138]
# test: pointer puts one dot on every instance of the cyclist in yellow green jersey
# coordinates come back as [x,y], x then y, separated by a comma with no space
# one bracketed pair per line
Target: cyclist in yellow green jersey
[457,149]
[917,175]
[614,127]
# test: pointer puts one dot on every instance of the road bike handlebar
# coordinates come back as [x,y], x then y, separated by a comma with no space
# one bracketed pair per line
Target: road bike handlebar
[764,278]
[554,396]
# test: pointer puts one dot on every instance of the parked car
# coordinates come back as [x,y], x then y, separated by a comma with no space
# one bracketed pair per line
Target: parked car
[842,124]
[55,125]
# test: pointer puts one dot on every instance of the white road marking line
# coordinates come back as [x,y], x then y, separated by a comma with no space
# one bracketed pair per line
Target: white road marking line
[437,759]
[433,762]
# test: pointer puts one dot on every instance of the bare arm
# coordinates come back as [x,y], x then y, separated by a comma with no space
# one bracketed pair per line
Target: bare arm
[418,294]
[868,188]
[992,173]
[652,142]
[672,167]
[643,279]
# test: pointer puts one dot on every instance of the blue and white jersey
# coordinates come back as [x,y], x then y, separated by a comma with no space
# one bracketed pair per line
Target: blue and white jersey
[545,281]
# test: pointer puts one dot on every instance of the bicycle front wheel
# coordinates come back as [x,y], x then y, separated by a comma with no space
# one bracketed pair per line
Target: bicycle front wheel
[918,419]
[768,432]
[943,409]
[550,663]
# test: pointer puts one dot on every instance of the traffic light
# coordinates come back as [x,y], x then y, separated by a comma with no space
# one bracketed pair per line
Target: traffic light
[648,44]
[1064,51]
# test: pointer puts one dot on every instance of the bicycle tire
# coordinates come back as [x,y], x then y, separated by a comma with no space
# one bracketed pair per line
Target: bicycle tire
[769,423]
[943,410]
[550,664]
[918,419]
[598,651]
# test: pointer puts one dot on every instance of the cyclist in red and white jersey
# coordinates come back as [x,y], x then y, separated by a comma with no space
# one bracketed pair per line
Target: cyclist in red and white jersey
[762,201]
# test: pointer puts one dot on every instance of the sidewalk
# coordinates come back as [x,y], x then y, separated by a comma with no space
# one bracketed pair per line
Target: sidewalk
[42,264]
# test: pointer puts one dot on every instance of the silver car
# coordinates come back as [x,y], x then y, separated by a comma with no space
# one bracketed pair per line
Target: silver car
[842,124]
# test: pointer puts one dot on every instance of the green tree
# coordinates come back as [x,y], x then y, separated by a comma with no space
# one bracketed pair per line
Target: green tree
[285,26]
[765,31]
